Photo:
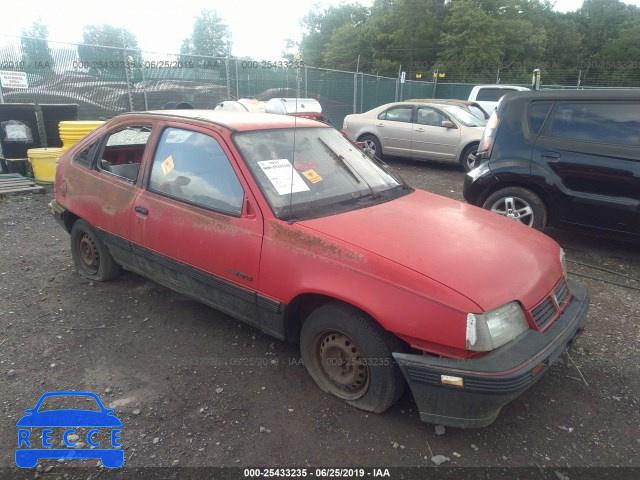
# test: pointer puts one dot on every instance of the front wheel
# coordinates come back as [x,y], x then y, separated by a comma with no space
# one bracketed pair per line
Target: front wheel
[90,255]
[349,356]
[468,158]
[372,146]
[518,204]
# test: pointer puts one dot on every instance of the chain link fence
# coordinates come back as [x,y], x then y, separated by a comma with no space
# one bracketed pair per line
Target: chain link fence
[107,81]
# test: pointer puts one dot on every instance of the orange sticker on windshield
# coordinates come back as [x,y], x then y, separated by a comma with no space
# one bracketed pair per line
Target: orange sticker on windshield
[168,165]
[312,176]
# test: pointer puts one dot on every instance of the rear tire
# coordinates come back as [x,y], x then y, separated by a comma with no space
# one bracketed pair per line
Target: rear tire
[91,257]
[468,158]
[371,145]
[349,356]
[519,204]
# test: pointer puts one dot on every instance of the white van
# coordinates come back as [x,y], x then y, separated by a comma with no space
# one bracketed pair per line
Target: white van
[489,95]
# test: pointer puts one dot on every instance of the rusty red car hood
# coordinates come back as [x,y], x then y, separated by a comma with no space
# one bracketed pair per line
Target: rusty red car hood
[481,255]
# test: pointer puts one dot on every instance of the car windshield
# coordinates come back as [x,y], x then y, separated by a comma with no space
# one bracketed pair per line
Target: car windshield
[464,117]
[312,172]
[69,402]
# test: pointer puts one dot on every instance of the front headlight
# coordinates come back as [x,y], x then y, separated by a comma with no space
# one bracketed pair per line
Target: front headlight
[490,330]
[563,261]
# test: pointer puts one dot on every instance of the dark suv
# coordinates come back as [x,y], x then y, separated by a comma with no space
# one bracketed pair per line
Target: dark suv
[562,158]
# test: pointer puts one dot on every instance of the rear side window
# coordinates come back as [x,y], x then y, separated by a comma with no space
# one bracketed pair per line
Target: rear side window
[615,123]
[492,94]
[538,112]
[397,114]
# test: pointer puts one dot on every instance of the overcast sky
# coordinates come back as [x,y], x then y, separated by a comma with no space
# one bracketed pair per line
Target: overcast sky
[258,28]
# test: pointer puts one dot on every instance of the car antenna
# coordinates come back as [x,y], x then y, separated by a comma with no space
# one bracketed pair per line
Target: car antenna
[291,219]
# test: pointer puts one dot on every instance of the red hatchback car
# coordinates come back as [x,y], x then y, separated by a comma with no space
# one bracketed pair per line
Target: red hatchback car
[284,224]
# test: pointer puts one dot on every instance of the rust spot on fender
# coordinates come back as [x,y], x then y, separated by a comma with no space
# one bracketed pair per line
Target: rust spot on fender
[306,244]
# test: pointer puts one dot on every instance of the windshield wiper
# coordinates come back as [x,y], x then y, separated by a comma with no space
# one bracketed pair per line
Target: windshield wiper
[340,160]
[390,171]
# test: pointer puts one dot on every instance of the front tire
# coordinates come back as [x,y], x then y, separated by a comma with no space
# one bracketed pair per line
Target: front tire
[372,145]
[519,204]
[349,356]
[91,257]
[468,158]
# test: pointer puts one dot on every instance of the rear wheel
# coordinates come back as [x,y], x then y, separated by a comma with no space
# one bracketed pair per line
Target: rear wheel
[468,158]
[372,145]
[90,255]
[349,356]
[519,204]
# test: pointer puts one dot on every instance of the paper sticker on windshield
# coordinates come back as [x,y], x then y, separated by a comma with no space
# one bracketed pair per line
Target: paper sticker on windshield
[312,176]
[177,136]
[282,176]
[168,165]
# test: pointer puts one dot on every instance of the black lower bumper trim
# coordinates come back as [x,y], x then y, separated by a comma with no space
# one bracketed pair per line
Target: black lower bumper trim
[491,381]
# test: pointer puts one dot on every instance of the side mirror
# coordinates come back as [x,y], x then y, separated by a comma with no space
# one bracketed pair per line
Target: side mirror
[448,124]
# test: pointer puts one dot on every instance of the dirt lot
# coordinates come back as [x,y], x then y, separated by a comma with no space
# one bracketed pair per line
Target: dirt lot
[195,388]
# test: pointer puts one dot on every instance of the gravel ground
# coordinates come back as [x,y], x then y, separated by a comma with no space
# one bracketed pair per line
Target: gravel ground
[195,388]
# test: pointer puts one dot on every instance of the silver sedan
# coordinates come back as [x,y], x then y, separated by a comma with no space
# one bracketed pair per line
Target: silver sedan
[418,130]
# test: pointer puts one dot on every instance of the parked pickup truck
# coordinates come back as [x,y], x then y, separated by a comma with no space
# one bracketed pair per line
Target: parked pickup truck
[489,95]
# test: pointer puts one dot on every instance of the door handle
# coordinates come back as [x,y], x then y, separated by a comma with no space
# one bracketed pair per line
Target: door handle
[419,129]
[379,125]
[551,156]
[141,210]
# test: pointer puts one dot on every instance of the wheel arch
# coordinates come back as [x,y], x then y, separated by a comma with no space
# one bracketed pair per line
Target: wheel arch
[69,219]
[299,309]
[465,148]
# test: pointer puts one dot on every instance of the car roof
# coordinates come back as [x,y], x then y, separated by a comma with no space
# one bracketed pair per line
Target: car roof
[236,121]
[453,101]
[617,94]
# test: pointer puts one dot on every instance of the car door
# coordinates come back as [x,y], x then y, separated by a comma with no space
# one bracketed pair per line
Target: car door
[105,182]
[430,140]
[196,227]
[593,150]
[394,129]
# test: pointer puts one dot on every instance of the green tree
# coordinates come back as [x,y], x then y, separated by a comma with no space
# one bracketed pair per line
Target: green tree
[108,50]
[319,26]
[471,42]
[35,49]
[209,36]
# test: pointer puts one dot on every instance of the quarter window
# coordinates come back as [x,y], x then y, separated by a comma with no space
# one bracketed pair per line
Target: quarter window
[193,167]
[597,122]
[123,152]
[537,114]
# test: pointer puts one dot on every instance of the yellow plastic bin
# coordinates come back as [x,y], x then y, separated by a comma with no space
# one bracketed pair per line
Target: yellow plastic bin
[72,131]
[44,162]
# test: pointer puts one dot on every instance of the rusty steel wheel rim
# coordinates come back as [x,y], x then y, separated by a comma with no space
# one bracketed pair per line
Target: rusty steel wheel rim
[342,364]
[88,251]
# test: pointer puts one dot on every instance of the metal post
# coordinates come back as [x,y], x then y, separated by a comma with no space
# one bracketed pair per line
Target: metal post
[361,90]
[306,82]
[237,82]
[355,92]
[398,82]
[128,77]
[226,68]
[435,82]
[144,86]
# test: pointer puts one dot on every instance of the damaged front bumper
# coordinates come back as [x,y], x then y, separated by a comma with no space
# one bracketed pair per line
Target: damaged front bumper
[485,384]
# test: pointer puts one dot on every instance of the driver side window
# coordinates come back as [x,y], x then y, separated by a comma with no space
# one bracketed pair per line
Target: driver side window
[430,116]
[192,167]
